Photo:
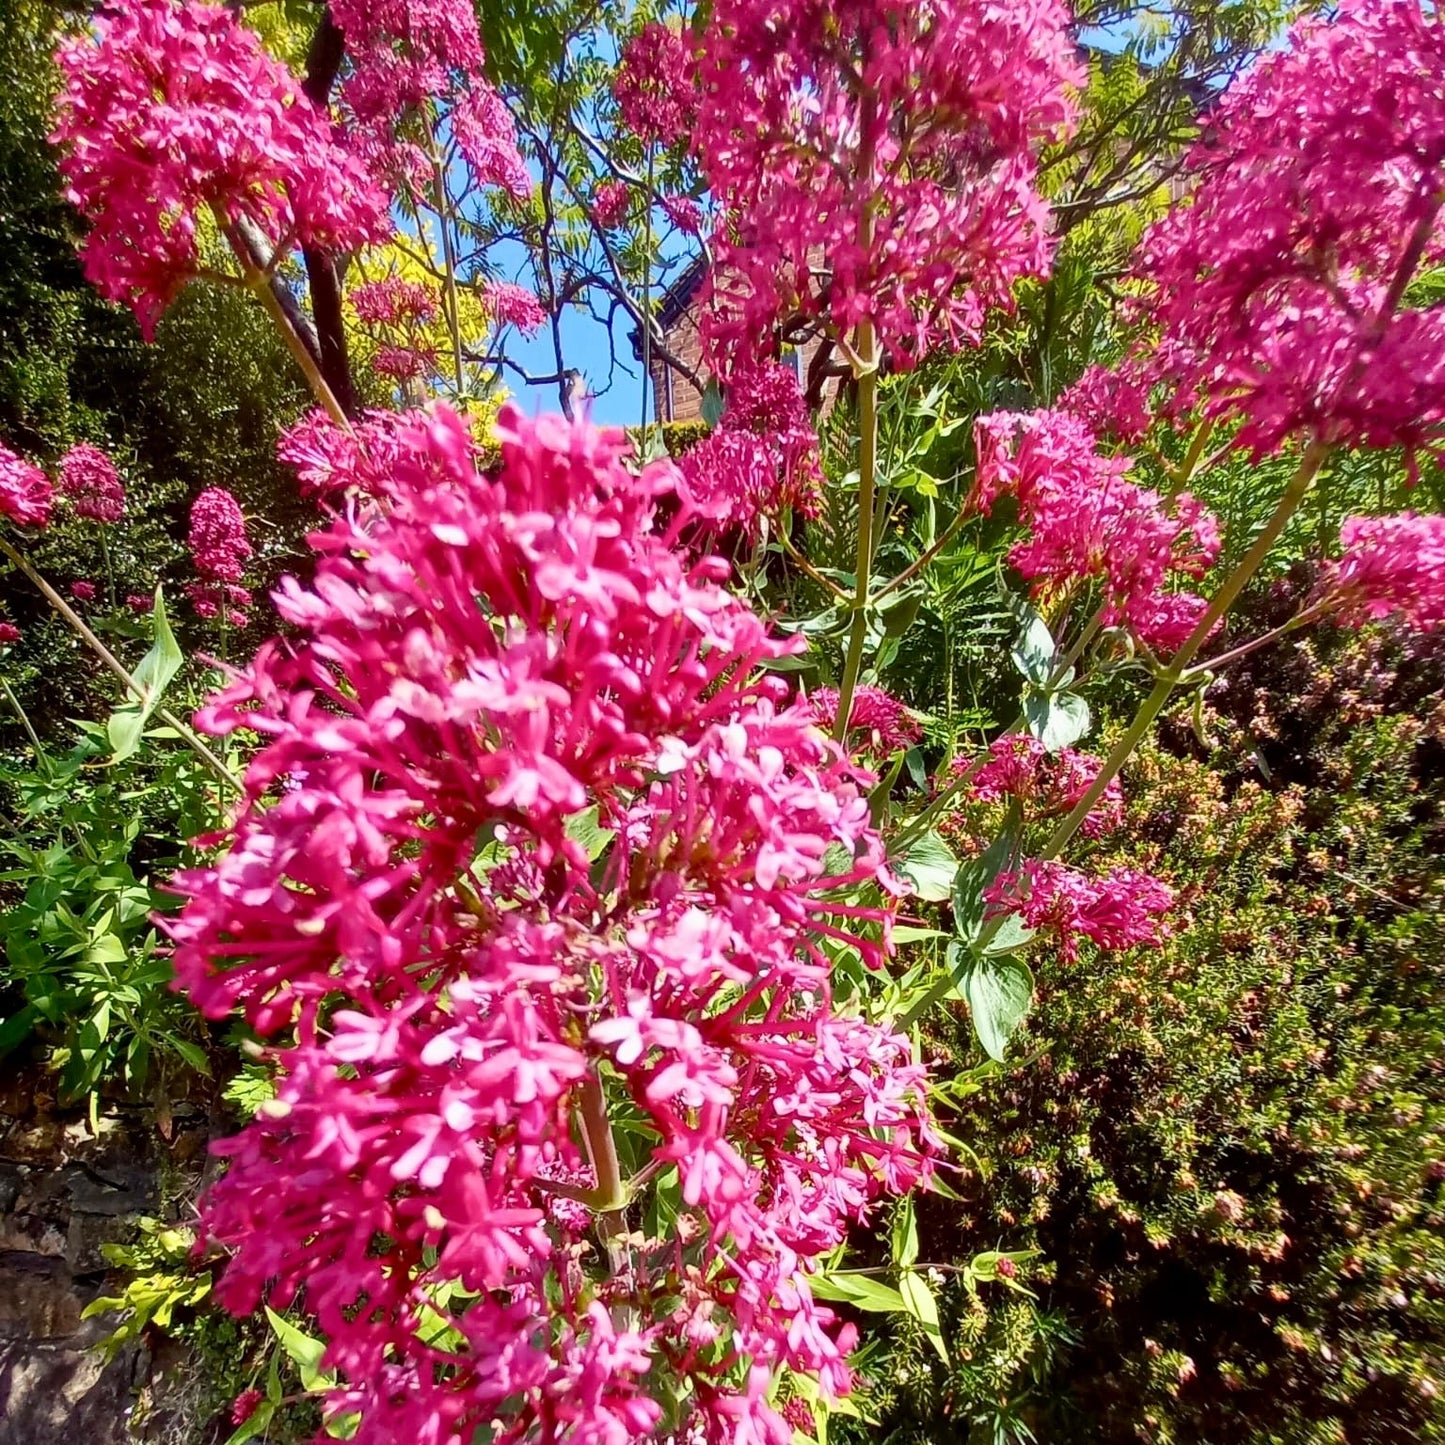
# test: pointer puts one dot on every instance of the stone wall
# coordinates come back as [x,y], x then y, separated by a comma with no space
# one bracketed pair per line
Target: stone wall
[63,1193]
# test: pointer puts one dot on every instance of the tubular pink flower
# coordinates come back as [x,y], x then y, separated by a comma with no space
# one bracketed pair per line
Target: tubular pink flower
[762,458]
[89,479]
[218,536]
[140,602]
[26,495]
[1272,292]
[83,591]
[513,305]
[407,56]
[684,213]
[170,109]
[485,676]
[654,88]
[927,115]
[1390,566]
[886,724]
[1119,910]
[393,302]
[1112,402]
[9,633]
[609,204]
[1087,521]
[1047,784]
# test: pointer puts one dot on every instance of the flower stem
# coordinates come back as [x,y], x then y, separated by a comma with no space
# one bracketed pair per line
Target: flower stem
[187,735]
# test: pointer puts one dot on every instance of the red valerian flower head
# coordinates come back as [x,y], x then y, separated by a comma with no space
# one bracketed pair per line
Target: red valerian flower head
[89,479]
[26,495]
[609,204]
[217,540]
[9,633]
[886,724]
[141,602]
[532,838]
[654,88]
[1047,784]
[1112,401]
[924,117]
[83,591]
[170,110]
[1118,910]
[1273,292]
[762,458]
[1388,567]
[513,305]
[1087,520]
[392,301]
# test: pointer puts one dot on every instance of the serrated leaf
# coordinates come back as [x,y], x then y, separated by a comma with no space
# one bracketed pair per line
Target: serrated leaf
[921,1304]
[153,673]
[999,991]
[929,867]
[1033,651]
[1058,720]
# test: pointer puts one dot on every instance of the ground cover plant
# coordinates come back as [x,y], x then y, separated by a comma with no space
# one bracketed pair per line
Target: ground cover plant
[666,905]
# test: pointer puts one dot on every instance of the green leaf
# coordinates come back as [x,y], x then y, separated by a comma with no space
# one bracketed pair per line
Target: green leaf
[712,402]
[921,1304]
[17,1028]
[192,1054]
[905,1235]
[999,991]
[585,829]
[1033,652]
[929,866]
[302,1350]
[1058,720]
[974,876]
[1011,935]
[859,1291]
[153,673]
[249,1428]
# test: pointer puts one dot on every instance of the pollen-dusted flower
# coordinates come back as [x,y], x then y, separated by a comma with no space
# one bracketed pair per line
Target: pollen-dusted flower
[886,726]
[170,109]
[531,838]
[217,539]
[1117,910]
[1389,566]
[89,479]
[26,495]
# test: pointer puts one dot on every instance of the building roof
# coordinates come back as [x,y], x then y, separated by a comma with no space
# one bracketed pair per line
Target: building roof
[675,300]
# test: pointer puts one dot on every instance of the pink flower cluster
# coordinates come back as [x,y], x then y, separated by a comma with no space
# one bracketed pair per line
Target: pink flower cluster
[923,116]
[655,87]
[1118,910]
[26,496]
[609,204]
[1274,293]
[763,456]
[1389,566]
[89,479]
[217,539]
[1047,784]
[393,301]
[9,634]
[886,724]
[513,305]
[328,459]
[1087,521]
[532,843]
[171,110]
[1113,403]
[407,55]
[83,591]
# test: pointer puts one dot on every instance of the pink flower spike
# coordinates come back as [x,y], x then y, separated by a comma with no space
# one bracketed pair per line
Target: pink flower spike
[89,479]
[26,495]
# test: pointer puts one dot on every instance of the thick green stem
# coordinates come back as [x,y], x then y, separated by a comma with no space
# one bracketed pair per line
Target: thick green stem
[609,1196]
[118,668]
[867,486]
[1299,485]
[40,754]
